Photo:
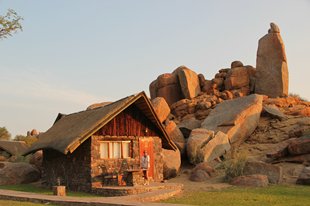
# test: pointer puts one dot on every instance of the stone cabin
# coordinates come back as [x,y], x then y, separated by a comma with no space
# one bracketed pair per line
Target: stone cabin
[82,150]
[10,149]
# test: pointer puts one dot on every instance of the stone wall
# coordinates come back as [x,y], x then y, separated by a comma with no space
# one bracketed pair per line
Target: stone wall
[83,170]
[101,167]
[72,169]
[158,160]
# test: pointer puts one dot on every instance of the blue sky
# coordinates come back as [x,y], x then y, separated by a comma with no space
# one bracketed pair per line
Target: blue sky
[74,53]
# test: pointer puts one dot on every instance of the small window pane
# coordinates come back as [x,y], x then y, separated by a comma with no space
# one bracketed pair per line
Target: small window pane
[117,150]
[110,150]
[104,150]
[126,149]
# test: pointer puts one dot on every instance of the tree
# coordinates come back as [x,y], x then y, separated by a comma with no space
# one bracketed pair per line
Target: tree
[28,139]
[9,24]
[4,134]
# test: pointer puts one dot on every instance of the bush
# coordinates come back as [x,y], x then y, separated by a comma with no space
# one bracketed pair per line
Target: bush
[29,140]
[234,167]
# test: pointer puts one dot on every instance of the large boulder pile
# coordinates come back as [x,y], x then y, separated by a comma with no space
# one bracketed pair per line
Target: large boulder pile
[181,83]
[241,109]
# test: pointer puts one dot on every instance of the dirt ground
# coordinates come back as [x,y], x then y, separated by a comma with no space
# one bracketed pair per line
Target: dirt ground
[214,183]
[290,175]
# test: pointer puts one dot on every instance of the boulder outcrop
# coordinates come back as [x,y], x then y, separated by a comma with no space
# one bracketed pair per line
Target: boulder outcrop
[196,140]
[181,83]
[271,65]
[238,123]
[18,173]
[187,125]
[172,163]
[273,172]
[175,134]
[189,82]
[168,87]
[250,181]
[299,146]
[215,148]
[161,108]
[209,117]
[97,105]
[202,172]
[304,177]
[273,111]
[204,146]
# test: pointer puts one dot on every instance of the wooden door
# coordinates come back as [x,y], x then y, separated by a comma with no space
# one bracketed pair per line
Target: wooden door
[147,143]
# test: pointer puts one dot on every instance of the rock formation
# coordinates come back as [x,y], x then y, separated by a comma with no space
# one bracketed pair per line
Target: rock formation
[271,65]
[172,163]
[96,105]
[202,172]
[213,119]
[273,172]
[175,134]
[198,138]
[215,148]
[168,87]
[304,177]
[161,108]
[237,118]
[189,82]
[255,180]
[18,173]
[181,83]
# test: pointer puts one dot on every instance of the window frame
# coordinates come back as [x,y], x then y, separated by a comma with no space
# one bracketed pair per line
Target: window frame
[110,147]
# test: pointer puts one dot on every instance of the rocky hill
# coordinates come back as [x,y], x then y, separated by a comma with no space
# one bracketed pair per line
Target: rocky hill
[242,110]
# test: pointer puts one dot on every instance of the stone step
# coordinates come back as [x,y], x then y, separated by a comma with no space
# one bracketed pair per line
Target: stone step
[155,195]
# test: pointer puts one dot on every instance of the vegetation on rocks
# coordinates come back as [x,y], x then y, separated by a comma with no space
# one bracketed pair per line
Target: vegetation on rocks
[234,167]
[29,140]
[4,134]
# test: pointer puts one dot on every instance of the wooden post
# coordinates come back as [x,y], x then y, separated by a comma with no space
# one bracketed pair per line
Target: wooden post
[59,190]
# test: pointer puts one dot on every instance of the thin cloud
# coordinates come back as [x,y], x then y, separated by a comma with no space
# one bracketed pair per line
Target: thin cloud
[31,86]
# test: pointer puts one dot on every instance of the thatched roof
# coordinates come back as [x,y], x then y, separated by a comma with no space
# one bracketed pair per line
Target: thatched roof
[70,131]
[15,148]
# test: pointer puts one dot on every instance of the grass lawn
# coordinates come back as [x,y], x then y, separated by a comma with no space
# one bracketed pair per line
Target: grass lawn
[16,203]
[40,190]
[272,195]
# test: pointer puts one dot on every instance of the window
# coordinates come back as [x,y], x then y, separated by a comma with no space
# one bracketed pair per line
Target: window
[115,149]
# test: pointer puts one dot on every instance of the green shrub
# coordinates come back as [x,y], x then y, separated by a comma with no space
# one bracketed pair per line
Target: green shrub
[29,140]
[234,167]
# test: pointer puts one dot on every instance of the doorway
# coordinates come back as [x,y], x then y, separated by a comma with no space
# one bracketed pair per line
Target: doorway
[147,144]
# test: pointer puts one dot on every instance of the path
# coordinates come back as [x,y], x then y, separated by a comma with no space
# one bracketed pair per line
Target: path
[140,199]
